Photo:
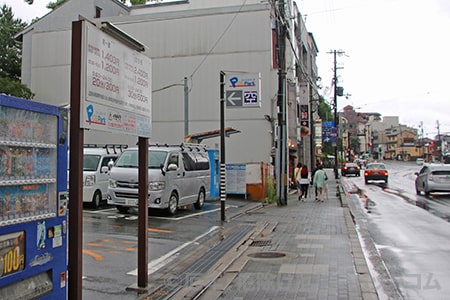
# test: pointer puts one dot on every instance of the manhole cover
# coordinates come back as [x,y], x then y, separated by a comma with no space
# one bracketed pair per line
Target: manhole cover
[267,255]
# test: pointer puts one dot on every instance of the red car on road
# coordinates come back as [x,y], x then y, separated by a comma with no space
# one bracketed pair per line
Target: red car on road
[376,171]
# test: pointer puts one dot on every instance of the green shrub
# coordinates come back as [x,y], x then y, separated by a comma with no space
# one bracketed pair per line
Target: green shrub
[271,191]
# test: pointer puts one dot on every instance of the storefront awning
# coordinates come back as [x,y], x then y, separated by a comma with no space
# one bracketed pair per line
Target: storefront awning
[197,138]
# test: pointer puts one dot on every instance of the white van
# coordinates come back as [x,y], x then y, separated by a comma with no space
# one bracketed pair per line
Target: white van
[96,161]
[177,175]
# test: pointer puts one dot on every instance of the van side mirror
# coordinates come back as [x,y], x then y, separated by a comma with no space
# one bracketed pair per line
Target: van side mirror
[110,164]
[105,169]
[172,167]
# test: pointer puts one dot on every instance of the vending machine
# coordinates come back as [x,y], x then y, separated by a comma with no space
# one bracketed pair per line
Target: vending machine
[33,200]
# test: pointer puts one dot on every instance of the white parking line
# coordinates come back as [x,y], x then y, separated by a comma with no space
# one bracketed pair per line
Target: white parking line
[100,212]
[192,215]
[158,263]
[134,217]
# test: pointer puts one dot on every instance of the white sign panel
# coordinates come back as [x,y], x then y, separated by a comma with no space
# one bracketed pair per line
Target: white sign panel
[236,182]
[304,94]
[243,90]
[118,93]
[254,174]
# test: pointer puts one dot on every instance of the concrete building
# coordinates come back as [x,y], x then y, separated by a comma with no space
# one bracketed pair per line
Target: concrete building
[193,40]
[380,139]
[401,143]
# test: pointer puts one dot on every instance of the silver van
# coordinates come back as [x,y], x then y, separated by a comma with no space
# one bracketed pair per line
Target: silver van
[177,175]
[96,171]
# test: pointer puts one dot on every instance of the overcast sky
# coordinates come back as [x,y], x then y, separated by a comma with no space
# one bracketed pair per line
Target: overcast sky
[396,59]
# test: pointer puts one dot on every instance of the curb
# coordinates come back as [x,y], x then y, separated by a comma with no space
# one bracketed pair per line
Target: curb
[379,279]
[368,290]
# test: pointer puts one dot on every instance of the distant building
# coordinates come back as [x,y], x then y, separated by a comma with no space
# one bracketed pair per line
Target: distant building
[402,143]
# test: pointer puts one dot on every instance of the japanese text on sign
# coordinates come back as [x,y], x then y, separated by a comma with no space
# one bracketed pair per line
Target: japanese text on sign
[118,85]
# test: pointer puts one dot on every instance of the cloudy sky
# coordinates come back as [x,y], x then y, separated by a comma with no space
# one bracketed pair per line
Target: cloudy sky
[396,59]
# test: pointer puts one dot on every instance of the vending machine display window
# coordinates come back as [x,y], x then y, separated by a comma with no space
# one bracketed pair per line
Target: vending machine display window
[28,170]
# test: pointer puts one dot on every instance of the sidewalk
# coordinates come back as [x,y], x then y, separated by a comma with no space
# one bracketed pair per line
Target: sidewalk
[304,250]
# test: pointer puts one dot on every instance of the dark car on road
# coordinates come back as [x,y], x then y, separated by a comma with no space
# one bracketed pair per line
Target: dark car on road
[376,171]
[350,168]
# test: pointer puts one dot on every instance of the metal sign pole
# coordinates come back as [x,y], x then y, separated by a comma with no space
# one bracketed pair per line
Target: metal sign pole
[223,168]
[75,258]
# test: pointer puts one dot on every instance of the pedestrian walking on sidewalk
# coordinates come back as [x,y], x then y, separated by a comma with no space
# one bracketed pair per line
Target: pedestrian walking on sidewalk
[320,181]
[304,182]
[316,167]
[297,180]
[301,174]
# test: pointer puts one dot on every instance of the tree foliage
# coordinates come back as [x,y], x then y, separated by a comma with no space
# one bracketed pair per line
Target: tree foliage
[53,5]
[10,49]
[11,55]
[138,2]
[324,111]
[15,88]
[326,114]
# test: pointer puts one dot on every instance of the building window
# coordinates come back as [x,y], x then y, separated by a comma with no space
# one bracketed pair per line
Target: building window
[98,12]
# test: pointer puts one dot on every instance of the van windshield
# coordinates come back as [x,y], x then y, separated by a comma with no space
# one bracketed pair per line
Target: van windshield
[129,159]
[90,162]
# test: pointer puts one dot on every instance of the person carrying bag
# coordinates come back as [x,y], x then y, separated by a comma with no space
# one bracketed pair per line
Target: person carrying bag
[320,181]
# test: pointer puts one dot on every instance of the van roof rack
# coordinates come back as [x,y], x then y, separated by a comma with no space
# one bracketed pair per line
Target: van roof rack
[190,146]
[110,148]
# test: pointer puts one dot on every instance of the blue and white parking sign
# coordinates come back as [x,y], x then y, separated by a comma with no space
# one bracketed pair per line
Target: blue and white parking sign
[243,90]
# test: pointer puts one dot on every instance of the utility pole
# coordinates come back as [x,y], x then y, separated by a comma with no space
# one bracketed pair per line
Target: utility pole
[186,107]
[336,119]
[281,150]
[440,140]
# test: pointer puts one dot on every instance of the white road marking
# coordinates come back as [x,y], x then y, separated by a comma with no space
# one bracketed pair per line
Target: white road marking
[158,263]
[134,217]
[191,215]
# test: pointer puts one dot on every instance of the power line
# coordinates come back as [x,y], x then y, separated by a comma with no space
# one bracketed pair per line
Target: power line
[218,40]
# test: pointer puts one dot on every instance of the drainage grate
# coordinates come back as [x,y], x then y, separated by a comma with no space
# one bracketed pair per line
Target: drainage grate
[191,273]
[261,243]
[254,212]
[268,254]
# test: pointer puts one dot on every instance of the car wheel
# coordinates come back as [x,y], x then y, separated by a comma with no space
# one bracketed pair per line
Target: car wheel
[173,204]
[417,191]
[386,180]
[200,200]
[425,191]
[122,209]
[96,199]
